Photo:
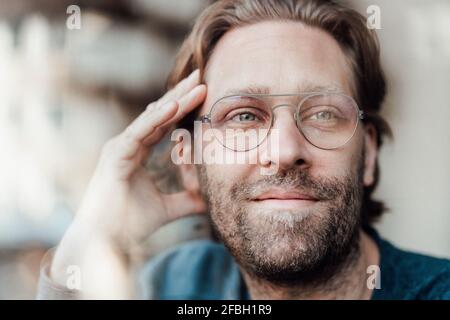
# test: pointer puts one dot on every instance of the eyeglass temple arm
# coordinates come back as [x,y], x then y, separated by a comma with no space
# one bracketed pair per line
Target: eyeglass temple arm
[205,118]
[361,114]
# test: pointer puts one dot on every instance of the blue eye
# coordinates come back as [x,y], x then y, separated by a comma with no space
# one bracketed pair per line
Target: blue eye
[323,115]
[243,117]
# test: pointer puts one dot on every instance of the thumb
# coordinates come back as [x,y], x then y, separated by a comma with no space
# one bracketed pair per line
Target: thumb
[183,204]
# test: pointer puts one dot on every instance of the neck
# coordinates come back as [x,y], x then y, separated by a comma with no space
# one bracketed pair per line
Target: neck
[349,283]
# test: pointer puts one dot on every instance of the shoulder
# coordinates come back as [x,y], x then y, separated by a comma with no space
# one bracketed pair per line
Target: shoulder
[198,269]
[410,275]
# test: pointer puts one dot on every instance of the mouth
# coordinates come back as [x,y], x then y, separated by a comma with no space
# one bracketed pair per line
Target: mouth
[285,199]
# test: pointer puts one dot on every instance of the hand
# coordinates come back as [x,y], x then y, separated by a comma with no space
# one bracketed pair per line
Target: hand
[122,203]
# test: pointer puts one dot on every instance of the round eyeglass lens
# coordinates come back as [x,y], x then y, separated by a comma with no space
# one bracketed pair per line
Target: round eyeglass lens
[328,121]
[240,123]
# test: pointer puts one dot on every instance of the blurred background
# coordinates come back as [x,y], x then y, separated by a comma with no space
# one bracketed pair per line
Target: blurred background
[65,91]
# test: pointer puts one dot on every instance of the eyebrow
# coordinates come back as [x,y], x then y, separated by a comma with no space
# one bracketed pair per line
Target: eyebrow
[306,87]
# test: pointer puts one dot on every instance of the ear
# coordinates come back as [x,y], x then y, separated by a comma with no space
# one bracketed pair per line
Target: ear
[371,154]
[188,171]
[190,200]
[189,178]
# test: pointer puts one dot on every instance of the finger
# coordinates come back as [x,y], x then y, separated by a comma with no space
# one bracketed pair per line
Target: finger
[184,203]
[153,123]
[145,125]
[187,103]
[181,88]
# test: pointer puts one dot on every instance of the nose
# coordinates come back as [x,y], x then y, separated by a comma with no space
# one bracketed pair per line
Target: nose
[291,149]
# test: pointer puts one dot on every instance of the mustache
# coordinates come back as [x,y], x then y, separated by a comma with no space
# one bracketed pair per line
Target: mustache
[320,188]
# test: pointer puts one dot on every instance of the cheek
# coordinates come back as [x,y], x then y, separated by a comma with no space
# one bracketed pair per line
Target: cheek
[329,164]
[223,165]
[229,174]
[337,163]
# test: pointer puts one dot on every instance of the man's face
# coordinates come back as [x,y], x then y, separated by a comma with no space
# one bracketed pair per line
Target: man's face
[304,218]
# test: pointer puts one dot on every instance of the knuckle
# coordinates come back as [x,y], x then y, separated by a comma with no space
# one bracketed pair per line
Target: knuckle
[128,134]
[156,107]
[152,105]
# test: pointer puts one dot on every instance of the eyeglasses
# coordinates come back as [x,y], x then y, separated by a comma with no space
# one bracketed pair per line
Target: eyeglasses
[242,122]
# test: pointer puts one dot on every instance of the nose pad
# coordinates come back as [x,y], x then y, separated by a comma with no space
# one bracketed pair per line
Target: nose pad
[286,106]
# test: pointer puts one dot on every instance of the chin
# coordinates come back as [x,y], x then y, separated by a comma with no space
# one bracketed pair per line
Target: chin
[278,237]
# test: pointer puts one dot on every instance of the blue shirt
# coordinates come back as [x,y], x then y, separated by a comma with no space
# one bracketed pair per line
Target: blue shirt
[204,269]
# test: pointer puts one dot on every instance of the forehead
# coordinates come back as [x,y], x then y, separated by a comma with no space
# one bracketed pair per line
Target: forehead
[276,57]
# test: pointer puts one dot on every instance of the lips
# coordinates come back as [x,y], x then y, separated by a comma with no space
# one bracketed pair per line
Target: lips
[277,194]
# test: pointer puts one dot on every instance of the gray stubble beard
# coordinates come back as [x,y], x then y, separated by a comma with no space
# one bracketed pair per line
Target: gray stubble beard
[286,249]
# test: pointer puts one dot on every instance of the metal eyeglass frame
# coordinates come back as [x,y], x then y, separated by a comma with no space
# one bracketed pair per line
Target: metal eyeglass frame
[360,114]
